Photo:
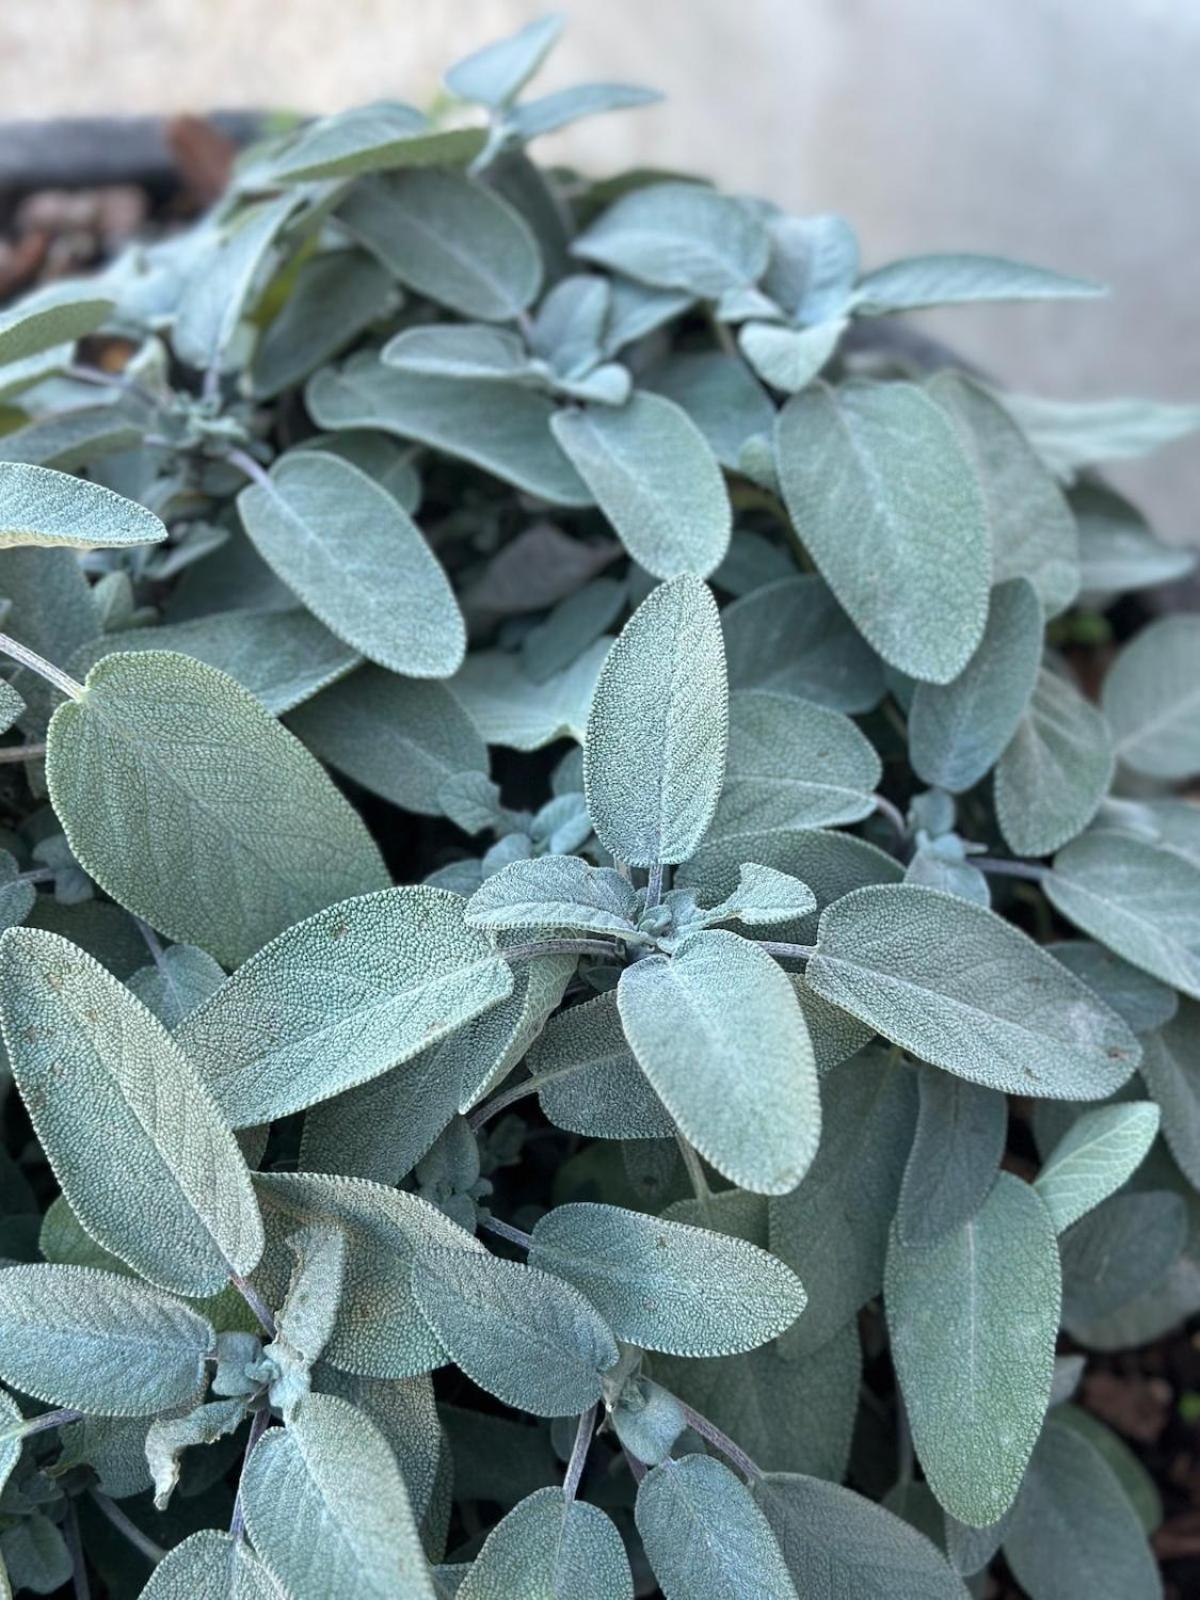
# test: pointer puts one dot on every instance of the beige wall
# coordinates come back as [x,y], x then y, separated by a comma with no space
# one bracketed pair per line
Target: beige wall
[1067,131]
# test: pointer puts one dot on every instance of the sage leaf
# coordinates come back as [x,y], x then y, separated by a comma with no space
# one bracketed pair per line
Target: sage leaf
[656,480]
[449,237]
[72,440]
[961,1133]
[940,280]
[39,506]
[508,708]
[1143,1001]
[590,1080]
[705,1537]
[217,293]
[678,236]
[166,1189]
[719,395]
[965,990]
[167,1439]
[473,351]
[327,1508]
[1128,1470]
[358,561]
[339,998]
[178,981]
[1151,700]
[764,897]
[404,1411]
[886,459]
[336,297]
[550,112]
[11,1440]
[524,1335]
[549,1548]
[494,75]
[830,863]
[791,636]
[210,1565]
[1069,434]
[99,1342]
[1118,1252]
[555,892]
[664,677]
[1053,775]
[56,316]
[813,265]
[958,731]
[236,832]
[973,1320]
[789,358]
[666,1286]
[719,1033]
[1117,550]
[1171,1068]
[1099,1151]
[375,138]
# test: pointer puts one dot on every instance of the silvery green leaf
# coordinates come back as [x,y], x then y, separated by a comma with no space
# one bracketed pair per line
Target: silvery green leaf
[957,731]
[960,1140]
[494,75]
[647,1419]
[379,1331]
[575,623]
[1136,895]
[787,1414]
[666,1286]
[554,892]
[719,395]
[831,863]
[792,636]
[532,118]
[358,561]
[966,991]
[1074,1532]
[833,1229]
[813,265]
[654,755]
[942,280]
[1069,434]
[168,1439]
[509,708]
[1055,771]
[327,1509]
[17,898]
[655,478]
[308,1315]
[34,1556]
[217,293]
[705,1537]
[1099,1151]
[1143,1001]
[1125,1466]
[569,327]
[52,317]
[789,358]
[1033,530]
[524,1335]
[375,138]
[404,1411]
[944,864]
[401,738]
[70,440]
[973,1320]
[39,506]
[638,310]
[450,238]
[1151,700]
[379,456]
[166,1189]
[594,1085]
[11,705]
[885,459]
[335,297]
[791,764]
[1171,1068]
[837,1543]
[237,832]
[51,611]
[678,236]
[719,1033]
[835,1034]
[504,429]
[339,998]
[1117,550]
[549,1548]
[99,1342]
[607,385]
[468,351]
[282,657]
[763,897]
[11,1421]
[1118,1251]
[210,1565]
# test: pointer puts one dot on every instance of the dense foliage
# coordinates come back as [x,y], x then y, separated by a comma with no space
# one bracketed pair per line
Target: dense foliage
[784,1032]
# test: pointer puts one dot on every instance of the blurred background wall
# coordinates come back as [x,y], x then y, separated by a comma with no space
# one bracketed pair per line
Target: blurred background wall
[1063,131]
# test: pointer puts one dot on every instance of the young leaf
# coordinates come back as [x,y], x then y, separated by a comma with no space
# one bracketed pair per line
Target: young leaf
[719,1033]
[376,138]
[665,1286]
[973,1320]
[1151,700]
[339,998]
[236,832]
[789,358]
[965,990]
[99,1342]
[39,506]
[555,892]
[678,236]
[960,1139]
[327,1508]
[522,1334]
[941,280]
[656,480]
[764,897]
[210,1565]
[1101,1149]
[886,459]
[958,731]
[551,1548]
[704,1536]
[1056,770]
[792,636]
[494,75]
[166,1441]
[662,690]
[358,561]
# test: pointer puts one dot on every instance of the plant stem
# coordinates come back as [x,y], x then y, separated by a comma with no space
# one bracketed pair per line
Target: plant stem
[48,1419]
[44,669]
[258,1427]
[503,1231]
[636,1467]
[1025,870]
[723,1442]
[654,886]
[519,1091]
[79,1577]
[244,462]
[125,1525]
[256,1303]
[788,952]
[583,1440]
[36,875]
[893,813]
[559,947]
[22,752]
[153,943]
[695,1172]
